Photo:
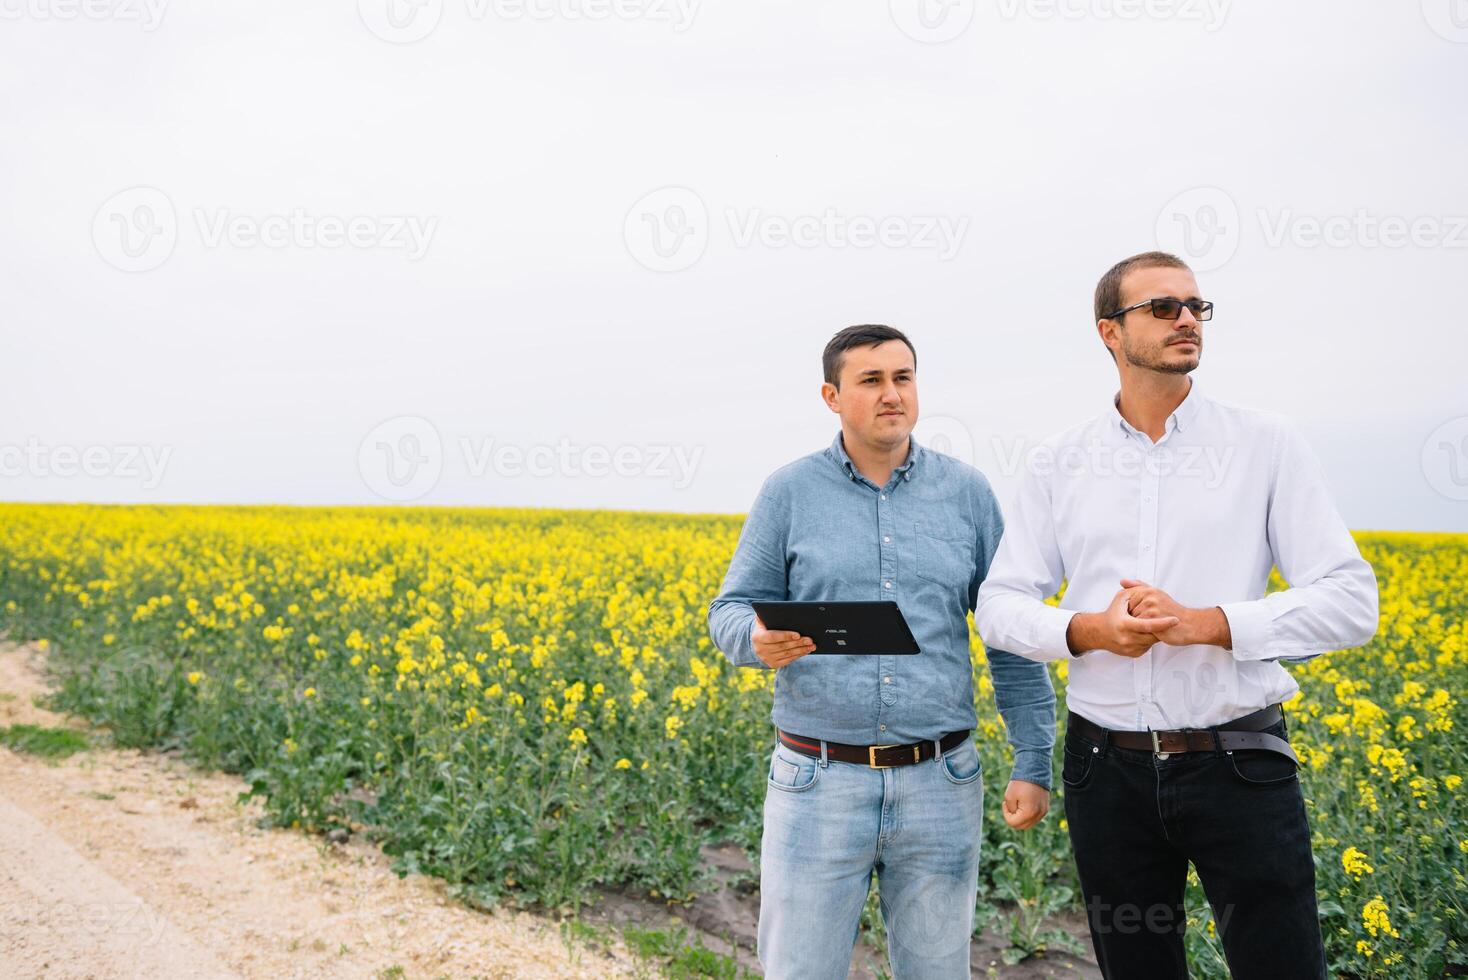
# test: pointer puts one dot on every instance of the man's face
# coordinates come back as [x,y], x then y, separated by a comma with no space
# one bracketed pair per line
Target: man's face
[1168,346]
[877,398]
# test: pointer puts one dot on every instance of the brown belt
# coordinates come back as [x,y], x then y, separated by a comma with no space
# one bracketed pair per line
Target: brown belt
[1241,733]
[875,756]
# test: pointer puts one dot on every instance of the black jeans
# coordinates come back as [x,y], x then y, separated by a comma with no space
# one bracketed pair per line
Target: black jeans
[1136,820]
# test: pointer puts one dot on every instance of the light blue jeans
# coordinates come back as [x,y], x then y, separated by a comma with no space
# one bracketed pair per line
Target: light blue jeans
[829,825]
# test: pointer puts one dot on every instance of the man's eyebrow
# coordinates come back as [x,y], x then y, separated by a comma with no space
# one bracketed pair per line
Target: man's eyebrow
[901,370]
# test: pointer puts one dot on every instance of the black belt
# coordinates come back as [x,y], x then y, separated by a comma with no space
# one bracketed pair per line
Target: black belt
[1241,733]
[875,756]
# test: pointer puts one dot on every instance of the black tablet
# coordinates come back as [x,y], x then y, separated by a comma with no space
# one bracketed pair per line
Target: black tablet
[868,628]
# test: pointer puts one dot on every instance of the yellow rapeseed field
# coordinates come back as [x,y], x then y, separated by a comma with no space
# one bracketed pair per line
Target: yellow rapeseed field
[527,704]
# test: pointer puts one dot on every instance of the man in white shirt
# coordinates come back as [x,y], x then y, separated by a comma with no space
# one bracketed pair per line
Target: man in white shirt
[1164,516]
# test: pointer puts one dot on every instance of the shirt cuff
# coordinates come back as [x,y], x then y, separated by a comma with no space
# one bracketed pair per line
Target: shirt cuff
[1249,624]
[1033,766]
[1051,629]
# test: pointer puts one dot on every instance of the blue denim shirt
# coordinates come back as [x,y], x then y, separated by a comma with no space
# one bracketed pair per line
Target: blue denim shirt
[821,530]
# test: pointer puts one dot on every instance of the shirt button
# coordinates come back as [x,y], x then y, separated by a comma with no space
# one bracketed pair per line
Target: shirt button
[884,496]
[886,680]
[886,585]
[882,728]
[1146,547]
[886,539]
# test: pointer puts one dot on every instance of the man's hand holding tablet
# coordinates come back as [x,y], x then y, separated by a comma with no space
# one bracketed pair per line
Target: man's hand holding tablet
[776,648]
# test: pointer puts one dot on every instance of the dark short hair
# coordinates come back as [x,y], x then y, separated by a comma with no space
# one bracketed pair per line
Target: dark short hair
[1108,290]
[861,335]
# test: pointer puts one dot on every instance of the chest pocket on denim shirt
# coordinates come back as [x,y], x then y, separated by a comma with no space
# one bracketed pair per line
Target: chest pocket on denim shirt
[944,555]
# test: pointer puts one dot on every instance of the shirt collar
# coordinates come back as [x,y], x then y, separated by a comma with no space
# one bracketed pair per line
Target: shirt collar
[838,453]
[1181,417]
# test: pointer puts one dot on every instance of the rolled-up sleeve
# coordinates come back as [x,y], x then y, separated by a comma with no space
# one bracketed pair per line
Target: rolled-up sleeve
[758,570]
[1331,603]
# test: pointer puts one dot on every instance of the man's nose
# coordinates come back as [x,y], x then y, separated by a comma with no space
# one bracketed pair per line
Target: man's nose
[1186,320]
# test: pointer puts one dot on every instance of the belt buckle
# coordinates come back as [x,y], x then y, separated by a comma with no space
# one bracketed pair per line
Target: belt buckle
[1157,746]
[872,755]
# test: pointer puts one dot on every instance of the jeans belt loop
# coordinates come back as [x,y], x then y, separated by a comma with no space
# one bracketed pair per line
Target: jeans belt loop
[938,750]
[1217,741]
[824,763]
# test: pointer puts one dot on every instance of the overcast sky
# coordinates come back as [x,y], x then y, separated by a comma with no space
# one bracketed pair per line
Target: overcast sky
[586,253]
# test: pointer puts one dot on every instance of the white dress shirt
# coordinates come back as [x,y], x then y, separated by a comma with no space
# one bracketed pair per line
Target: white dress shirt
[1203,514]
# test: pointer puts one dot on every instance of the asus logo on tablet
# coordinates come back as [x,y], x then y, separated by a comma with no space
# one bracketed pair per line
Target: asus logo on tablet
[835,631]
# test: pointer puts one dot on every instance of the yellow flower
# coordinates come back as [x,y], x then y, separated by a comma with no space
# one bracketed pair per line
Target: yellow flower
[1355,863]
[624,763]
[310,692]
[577,737]
[1374,917]
[195,676]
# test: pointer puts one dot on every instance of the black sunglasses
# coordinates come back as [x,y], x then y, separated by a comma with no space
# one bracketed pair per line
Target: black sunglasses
[1169,309]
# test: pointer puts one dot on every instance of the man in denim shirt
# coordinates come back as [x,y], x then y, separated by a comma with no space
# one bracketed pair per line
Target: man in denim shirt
[876,516]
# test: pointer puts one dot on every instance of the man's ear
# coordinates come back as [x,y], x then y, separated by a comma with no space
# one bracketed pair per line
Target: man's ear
[831,395]
[1108,329]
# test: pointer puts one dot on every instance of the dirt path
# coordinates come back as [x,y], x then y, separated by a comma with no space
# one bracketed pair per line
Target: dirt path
[127,864]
